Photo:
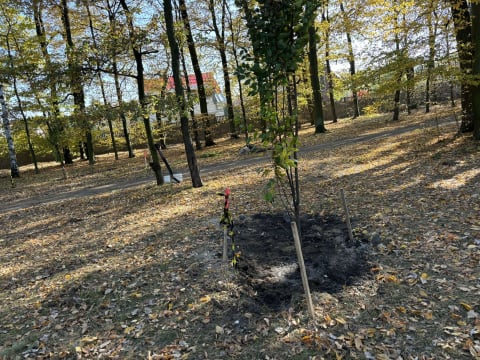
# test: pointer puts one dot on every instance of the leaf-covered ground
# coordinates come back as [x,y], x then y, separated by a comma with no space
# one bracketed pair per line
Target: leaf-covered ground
[135,272]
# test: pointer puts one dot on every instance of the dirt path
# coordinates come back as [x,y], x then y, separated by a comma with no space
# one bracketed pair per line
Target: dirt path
[213,168]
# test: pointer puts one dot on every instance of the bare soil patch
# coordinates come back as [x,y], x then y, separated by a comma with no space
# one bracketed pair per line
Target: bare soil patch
[269,262]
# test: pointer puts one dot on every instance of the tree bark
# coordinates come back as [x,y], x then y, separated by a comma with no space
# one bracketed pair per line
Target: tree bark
[187,141]
[463,34]
[315,81]
[476,69]
[14,172]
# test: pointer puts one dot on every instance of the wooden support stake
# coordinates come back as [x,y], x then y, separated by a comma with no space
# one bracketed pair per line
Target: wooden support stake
[303,272]
[347,215]
[225,244]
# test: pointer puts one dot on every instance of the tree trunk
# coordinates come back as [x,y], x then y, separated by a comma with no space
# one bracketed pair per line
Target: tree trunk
[396,97]
[237,64]
[410,86]
[137,54]
[123,118]
[220,36]
[476,68]
[189,150]
[351,61]
[160,110]
[198,74]
[196,136]
[20,108]
[431,57]
[328,68]
[100,79]
[256,61]
[55,129]
[463,34]
[14,172]
[76,82]
[118,90]
[315,81]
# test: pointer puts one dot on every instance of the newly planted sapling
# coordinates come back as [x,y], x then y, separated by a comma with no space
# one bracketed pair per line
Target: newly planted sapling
[227,222]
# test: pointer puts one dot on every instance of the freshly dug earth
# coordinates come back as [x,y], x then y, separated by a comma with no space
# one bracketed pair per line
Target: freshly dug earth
[268,260]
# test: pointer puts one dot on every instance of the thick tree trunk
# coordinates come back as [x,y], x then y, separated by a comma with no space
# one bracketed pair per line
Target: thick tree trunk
[189,150]
[202,97]
[14,172]
[463,34]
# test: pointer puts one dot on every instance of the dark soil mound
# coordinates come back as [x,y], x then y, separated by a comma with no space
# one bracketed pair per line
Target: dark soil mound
[269,264]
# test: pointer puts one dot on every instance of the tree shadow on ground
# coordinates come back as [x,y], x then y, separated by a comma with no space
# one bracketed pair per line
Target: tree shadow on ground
[268,261]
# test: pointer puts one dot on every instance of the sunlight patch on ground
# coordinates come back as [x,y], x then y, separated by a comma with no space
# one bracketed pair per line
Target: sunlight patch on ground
[456,181]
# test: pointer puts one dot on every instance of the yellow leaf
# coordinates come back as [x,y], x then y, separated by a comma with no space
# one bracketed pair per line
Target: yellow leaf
[205,299]
[307,339]
[68,277]
[423,278]
[88,339]
[78,349]
[136,294]
[401,309]
[129,329]
[340,320]
[466,306]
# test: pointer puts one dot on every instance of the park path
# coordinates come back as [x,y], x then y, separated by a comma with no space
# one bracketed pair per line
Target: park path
[210,169]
